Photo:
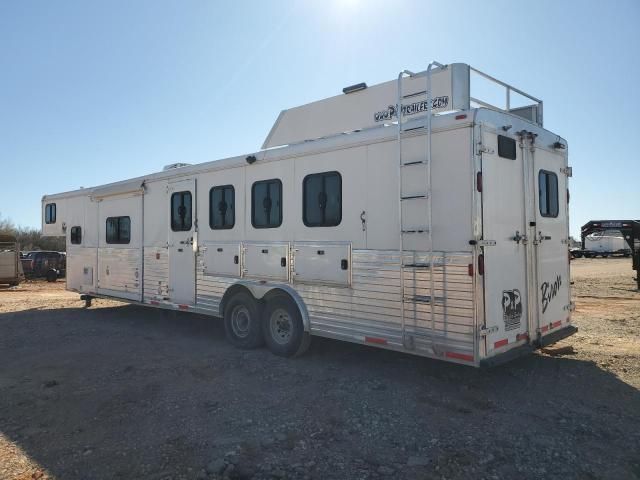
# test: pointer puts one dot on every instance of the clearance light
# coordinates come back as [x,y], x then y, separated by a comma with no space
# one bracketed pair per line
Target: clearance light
[354,88]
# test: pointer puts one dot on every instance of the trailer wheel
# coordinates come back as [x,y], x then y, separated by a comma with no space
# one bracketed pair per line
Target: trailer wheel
[576,254]
[283,327]
[52,276]
[242,321]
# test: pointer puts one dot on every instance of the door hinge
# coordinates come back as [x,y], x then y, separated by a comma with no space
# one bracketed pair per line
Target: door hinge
[568,171]
[484,149]
[484,331]
[571,307]
[483,243]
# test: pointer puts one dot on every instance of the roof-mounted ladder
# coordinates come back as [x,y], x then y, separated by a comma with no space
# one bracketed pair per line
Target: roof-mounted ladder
[424,229]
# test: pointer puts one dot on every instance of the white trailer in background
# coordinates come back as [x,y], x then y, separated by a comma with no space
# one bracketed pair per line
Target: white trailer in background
[604,243]
[408,215]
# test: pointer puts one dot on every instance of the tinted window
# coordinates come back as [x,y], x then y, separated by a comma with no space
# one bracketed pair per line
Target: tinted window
[548,193]
[266,204]
[506,147]
[76,235]
[181,211]
[222,213]
[118,230]
[50,213]
[322,199]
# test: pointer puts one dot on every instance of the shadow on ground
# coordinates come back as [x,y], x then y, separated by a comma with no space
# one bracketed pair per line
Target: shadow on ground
[128,392]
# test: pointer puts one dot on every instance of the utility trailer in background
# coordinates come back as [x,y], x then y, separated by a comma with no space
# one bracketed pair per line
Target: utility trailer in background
[630,232]
[408,215]
[10,267]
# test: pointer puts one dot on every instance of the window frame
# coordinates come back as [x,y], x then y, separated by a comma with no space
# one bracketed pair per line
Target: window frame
[502,146]
[323,175]
[75,238]
[50,211]
[182,194]
[548,213]
[253,193]
[233,207]
[119,240]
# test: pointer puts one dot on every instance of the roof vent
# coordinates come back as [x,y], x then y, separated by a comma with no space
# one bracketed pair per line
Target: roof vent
[175,165]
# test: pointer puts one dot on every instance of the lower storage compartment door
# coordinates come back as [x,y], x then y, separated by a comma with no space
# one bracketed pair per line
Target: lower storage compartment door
[320,262]
[266,261]
[221,259]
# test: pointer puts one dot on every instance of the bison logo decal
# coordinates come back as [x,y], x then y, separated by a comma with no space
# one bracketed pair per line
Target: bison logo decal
[511,308]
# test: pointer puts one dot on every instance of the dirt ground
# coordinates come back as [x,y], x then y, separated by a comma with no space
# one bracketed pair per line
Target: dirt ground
[124,392]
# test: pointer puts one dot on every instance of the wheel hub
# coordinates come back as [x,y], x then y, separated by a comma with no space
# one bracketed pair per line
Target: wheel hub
[240,320]
[281,326]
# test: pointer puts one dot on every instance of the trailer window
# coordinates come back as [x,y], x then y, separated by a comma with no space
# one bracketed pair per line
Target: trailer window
[506,147]
[322,199]
[548,193]
[222,209]
[181,211]
[76,235]
[50,213]
[266,204]
[118,230]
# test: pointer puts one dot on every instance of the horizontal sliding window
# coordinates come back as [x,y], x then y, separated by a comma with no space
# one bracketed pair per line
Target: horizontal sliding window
[118,230]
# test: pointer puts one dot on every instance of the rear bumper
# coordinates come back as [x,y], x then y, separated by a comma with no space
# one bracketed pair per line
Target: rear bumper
[557,336]
[526,349]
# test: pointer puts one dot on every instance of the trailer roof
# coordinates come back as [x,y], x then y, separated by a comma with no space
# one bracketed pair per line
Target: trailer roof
[376,134]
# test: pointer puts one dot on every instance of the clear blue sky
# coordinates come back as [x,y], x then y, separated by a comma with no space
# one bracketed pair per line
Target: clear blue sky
[92,92]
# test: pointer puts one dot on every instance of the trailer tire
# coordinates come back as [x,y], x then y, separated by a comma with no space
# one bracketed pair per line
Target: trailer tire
[52,276]
[283,327]
[242,321]
[576,254]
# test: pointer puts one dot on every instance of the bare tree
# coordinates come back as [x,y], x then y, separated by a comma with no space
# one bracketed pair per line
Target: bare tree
[31,238]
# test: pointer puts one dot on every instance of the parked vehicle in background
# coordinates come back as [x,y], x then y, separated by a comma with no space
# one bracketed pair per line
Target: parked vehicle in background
[603,244]
[10,267]
[51,265]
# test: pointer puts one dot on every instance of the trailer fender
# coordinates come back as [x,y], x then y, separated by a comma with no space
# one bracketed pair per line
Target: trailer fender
[260,291]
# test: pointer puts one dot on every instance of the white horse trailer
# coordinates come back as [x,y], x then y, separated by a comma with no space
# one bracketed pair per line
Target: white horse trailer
[408,215]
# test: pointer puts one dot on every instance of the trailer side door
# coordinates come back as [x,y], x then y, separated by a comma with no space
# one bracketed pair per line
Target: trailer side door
[181,207]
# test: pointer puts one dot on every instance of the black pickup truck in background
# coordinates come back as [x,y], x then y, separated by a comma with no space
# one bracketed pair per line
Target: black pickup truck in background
[51,265]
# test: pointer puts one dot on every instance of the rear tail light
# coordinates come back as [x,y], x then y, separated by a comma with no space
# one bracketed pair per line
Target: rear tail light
[470,269]
[481,264]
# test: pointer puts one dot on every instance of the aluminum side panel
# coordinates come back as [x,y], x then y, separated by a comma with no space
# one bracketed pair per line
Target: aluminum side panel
[370,308]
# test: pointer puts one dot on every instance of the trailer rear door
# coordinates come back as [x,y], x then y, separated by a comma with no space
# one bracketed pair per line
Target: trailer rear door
[550,237]
[505,273]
